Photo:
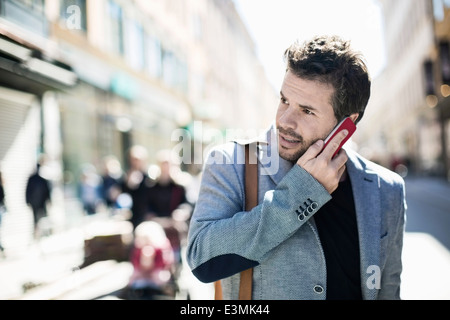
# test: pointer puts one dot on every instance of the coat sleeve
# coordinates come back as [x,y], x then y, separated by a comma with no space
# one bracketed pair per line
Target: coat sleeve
[223,239]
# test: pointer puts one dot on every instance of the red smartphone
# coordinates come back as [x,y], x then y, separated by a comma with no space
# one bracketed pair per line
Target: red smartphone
[348,124]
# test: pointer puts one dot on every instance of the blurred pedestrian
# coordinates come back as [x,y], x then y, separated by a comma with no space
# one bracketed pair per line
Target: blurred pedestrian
[38,196]
[90,189]
[167,202]
[112,180]
[166,194]
[136,183]
[2,209]
[324,227]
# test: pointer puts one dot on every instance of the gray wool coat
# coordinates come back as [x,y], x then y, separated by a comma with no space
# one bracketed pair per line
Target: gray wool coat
[279,238]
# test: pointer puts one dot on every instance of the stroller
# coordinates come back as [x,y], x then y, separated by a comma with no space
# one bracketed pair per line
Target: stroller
[154,264]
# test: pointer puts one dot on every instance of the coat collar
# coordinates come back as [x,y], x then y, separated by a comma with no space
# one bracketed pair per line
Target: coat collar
[271,164]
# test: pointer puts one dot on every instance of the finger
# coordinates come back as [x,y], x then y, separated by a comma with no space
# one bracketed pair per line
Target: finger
[334,144]
[340,159]
[341,171]
[311,153]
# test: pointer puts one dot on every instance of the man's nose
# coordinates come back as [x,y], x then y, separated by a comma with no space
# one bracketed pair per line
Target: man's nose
[287,119]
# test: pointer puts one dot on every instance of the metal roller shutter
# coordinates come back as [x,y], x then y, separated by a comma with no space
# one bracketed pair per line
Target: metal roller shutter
[19,138]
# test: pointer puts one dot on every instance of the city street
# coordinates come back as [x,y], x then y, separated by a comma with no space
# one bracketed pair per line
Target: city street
[428,208]
[427,243]
[93,93]
[52,265]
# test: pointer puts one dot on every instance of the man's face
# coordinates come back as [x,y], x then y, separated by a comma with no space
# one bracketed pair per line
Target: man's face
[304,115]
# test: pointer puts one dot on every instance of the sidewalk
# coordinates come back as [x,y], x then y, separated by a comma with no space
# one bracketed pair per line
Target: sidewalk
[53,258]
[52,265]
[50,268]
[426,266]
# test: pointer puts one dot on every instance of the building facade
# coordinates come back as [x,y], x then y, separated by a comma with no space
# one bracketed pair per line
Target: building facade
[402,124]
[440,73]
[85,79]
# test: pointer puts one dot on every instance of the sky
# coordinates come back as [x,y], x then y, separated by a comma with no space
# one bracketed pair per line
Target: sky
[275,24]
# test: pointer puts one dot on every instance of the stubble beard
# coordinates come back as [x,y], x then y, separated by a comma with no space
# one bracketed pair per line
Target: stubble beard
[292,157]
[285,154]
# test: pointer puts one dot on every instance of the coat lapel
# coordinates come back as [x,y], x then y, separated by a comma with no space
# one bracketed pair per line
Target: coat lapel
[366,192]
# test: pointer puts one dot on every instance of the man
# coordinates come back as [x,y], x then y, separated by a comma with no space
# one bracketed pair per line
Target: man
[166,195]
[167,203]
[2,209]
[38,196]
[325,228]
[137,183]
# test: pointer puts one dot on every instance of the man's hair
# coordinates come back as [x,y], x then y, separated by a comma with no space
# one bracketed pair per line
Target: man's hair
[331,60]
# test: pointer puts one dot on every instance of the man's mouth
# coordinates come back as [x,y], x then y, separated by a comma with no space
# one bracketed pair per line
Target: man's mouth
[289,142]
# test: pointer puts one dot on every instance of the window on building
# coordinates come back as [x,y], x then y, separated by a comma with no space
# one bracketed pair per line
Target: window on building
[439,7]
[134,45]
[153,56]
[168,67]
[28,14]
[34,5]
[182,80]
[73,13]
[116,22]
[174,71]
[197,27]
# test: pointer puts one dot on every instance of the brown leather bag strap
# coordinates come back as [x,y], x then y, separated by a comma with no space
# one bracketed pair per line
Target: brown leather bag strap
[251,177]
[218,290]
[251,201]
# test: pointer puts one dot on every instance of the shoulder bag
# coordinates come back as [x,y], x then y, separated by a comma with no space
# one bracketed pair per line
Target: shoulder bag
[251,201]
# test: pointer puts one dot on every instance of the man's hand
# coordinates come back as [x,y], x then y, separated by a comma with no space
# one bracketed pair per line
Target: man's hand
[325,169]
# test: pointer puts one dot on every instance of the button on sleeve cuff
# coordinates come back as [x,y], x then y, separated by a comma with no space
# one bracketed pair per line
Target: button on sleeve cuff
[305,196]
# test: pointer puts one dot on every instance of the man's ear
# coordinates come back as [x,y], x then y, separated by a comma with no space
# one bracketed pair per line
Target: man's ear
[354,117]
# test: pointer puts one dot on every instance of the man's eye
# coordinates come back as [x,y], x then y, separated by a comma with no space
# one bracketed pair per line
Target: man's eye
[284,101]
[308,112]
